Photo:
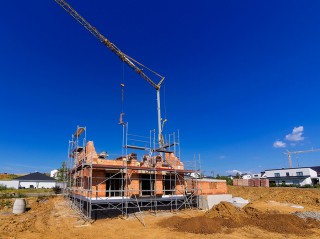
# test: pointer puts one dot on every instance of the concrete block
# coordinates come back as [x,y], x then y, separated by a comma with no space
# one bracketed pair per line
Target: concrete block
[238,202]
[206,202]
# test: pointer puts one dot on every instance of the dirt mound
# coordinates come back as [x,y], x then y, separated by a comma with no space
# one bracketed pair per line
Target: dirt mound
[284,224]
[225,217]
[27,222]
[299,196]
[199,225]
[226,211]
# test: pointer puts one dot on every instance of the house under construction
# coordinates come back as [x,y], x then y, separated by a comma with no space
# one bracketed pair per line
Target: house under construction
[99,186]
[130,182]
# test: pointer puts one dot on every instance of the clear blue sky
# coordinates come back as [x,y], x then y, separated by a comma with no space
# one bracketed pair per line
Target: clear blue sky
[240,75]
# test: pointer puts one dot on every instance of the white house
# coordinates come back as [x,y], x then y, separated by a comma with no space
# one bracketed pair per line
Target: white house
[36,180]
[256,175]
[54,173]
[294,176]
[249,176]
[246,176]
[32,180]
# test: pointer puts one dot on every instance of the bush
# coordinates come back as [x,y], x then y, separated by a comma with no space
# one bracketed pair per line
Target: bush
[4,195]
[57,190]
[229,180]
[12,195]
[306,186]
[4,187]
[272,184]
[21,195]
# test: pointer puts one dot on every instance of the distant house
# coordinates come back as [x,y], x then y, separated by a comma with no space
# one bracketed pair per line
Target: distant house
[294,176]
[35,180]
[246,176]
[250,176]
[32,180]
[256,175]
[54,173]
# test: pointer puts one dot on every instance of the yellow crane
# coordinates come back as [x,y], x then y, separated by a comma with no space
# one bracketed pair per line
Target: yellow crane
[135,65]
[298,152]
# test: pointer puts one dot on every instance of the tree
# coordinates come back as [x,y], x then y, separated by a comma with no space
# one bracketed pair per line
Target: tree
[62,172]
[228,180]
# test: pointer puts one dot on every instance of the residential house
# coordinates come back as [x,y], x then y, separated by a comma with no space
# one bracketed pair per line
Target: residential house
[32,180]
[294,176]
[36,180]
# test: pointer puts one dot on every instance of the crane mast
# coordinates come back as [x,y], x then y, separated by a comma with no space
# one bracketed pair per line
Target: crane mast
[123,57]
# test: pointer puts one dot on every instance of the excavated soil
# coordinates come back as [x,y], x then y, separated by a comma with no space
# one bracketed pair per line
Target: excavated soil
[301,196]
[224,217]
[269,215]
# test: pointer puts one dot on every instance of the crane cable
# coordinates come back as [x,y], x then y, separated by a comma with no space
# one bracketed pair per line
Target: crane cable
[122,89]
[122,97]
[140,64]
[164,101]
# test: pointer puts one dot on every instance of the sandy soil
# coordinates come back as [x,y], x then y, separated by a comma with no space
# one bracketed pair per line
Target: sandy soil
[267,216]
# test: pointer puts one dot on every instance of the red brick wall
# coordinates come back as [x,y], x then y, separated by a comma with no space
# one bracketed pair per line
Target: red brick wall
[99,183]
[211,188]
[251,182]
[158,184]
[133,185]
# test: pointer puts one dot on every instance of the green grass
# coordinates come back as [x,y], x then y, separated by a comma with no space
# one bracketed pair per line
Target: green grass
[21,193]
[6,203]
[26,190]
[10,195]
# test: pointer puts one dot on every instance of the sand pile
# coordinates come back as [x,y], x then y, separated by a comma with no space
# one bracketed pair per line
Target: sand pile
[226,211]
[224,217]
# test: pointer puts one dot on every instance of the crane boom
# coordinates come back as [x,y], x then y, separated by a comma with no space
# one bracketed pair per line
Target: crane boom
[304,151]
[108,43]
[298,152]
[123,57]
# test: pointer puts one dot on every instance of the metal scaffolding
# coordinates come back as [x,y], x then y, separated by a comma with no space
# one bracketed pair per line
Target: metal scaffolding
[156,182]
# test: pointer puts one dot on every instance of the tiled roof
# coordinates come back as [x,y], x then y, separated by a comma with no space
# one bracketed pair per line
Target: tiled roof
[35,177]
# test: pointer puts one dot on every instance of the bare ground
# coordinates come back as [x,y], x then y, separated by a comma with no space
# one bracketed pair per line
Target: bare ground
[269,215]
